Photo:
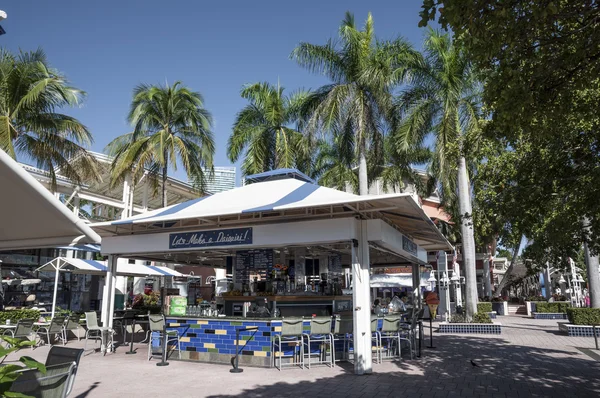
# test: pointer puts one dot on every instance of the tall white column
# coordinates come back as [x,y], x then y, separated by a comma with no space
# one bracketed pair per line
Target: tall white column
[126,196]
[76,205]
[363,362]
[487,282]
[108,296]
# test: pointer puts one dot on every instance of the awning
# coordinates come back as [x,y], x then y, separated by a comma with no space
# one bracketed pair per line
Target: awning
[31,216]
[396,280]
[87,248]
[92,267]
[280,201]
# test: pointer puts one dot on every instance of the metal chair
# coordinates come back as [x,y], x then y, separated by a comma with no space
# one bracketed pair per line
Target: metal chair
[291,335]
[320,332]
[375,335]
[408,332]
[56,329]
[94,331]
[343,329]
[54,383]
[390,331]
[61,355]
[157,325]
[72,325]
[23,331]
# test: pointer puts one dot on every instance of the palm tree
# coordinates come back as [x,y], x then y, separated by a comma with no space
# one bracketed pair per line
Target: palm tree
[170,124]
[262,132]
[30,94]
[335,161]
[443,103]
[363,72]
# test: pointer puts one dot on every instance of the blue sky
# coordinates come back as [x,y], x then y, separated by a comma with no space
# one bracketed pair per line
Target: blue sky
[107,47]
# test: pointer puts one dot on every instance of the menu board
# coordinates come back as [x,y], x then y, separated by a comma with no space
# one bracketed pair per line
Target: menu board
[252,261]
[335,264]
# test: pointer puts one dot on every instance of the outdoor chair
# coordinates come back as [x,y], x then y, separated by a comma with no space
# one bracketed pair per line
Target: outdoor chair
[54,384]
[157,327]
[23,331]
[94,331]
[343,330]
[390,332]
[375,335]
[290,336]
[72,325]
[61,355]
[55,329]
[408,332]
[320,333]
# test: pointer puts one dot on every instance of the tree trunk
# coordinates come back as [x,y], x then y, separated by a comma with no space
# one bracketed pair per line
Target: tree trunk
[509,270]
[164,181]
[363,181]
[468,238]
[592,269]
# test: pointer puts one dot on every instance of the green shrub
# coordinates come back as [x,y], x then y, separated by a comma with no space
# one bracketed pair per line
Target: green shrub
[458,318]
[484,307]
[554,308]
[584,316]
[15,315]
[481,317]
[536,298]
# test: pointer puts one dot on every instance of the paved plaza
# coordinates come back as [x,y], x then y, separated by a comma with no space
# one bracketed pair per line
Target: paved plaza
[530,358]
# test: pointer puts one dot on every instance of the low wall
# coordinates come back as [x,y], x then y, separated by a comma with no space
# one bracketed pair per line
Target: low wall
[471,328]
[578,330]
[549,315]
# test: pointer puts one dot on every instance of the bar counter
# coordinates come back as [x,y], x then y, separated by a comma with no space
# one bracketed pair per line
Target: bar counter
[213,339]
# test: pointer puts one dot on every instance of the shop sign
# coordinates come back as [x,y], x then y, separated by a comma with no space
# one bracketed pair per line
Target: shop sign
[409,246]
[220,237]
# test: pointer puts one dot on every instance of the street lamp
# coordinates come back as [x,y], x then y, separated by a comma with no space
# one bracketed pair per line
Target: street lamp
[444,283]
[2,16]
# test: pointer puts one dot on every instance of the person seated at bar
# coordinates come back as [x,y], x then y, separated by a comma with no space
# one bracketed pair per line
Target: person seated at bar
[377,309]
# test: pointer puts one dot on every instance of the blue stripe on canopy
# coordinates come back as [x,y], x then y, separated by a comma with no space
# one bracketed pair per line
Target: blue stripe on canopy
[171,210]
[298,194]
[95,264]
[158,269]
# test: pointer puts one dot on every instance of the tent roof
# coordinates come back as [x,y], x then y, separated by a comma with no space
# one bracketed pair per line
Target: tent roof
[31,216]
[81,266]
[280,201]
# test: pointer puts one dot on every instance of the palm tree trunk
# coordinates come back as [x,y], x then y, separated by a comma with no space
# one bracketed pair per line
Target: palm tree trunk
[164,181]
[363,183]
[468,238]
[592,269]
[509,270]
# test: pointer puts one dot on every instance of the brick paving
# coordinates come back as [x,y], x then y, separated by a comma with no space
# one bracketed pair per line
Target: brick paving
[529,359]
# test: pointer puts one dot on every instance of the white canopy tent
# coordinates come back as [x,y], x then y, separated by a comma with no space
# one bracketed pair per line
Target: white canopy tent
[397,280]
[92,267]
[278,214]
[31,216]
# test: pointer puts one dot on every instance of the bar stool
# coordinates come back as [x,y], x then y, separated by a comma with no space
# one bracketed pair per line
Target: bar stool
[320,332]
[390,331]
[375,335]
[291,335]
[343,328]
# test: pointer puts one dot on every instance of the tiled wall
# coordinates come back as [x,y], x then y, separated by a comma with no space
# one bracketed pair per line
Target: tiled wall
[578,330]
[477,328]
[547,315]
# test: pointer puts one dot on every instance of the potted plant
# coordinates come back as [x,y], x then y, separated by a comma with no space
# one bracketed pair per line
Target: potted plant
[500,306]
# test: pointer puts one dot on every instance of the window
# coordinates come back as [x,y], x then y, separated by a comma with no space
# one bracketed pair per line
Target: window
[311,267]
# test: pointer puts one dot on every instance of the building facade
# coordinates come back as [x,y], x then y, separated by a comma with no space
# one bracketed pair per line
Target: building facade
[222,180]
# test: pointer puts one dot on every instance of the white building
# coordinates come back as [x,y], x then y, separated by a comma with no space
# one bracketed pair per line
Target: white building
[222,180]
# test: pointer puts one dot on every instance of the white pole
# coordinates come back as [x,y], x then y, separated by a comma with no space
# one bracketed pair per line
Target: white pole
[57,268]
[363,362]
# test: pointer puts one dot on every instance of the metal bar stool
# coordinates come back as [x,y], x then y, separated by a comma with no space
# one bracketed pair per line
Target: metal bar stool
[291,335]
[320,332]
[390,332]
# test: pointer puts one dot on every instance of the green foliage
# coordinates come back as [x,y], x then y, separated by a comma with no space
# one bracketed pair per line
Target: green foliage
[584,316]
[171,127]
[9,373]
[15,315]
[553,308]
[363,71]
[498,300]
[536,299]
[484,307]
[147,302]
[481,317]
[30,94]
[458,318]
[262,135]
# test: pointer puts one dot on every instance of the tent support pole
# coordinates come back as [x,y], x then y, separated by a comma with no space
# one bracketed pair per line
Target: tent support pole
[57,269]
[361,301]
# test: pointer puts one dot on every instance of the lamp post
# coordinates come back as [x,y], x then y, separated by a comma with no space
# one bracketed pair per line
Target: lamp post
[2,16]
[444,285]
[455,280]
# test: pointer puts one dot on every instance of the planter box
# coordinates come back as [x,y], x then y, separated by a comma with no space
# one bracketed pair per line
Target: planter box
[501,308]
[549,315]
[578,330]
[471,328]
